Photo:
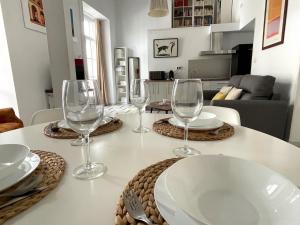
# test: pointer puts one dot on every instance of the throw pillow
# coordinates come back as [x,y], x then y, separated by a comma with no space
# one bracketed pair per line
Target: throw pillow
[226,89]
[234,94]
[219,96]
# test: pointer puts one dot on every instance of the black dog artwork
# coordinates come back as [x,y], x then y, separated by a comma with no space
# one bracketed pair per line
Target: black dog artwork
[165,49]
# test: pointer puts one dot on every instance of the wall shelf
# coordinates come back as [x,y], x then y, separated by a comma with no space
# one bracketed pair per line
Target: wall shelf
[121,73]
[193,13]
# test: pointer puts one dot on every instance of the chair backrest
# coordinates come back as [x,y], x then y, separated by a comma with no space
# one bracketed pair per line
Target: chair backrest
[227,115]
[47,115]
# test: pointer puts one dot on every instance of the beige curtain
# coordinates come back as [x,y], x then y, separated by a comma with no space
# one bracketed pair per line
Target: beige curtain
[101,68]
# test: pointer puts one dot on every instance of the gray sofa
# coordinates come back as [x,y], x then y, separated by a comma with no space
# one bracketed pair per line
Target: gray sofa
[259,107]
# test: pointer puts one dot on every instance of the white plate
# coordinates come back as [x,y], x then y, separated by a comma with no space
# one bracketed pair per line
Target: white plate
[63,123]
[11,156]
[30,163]
[206,121]
[222,190]
[167,207]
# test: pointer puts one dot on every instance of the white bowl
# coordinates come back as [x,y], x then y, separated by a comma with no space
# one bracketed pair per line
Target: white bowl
[11,156]
[206,121]
[220,190]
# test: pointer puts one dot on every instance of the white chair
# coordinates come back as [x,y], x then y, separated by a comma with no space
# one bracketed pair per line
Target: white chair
[227,115]
[47,115]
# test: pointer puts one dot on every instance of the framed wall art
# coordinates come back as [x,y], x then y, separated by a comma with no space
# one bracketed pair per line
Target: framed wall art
[165,48]
[274,23]
[33,13]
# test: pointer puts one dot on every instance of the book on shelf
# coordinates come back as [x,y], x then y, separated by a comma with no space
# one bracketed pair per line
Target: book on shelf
[208,20]
[208,2]
[177,23]
[198,12]
[188,12]
[178,12]
[199,3]
[188,22]
[198,21]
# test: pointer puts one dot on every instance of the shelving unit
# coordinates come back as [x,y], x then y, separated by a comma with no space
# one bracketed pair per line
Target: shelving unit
[121,73]
[193,13]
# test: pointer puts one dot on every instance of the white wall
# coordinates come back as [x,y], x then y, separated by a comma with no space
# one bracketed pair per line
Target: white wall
[29,60]
[76,41]
[136,30]
[281,61]
[7,89]
[58,47]
[133,25]
[191,42]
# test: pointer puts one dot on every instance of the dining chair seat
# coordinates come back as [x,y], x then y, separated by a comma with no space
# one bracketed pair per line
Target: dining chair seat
[47,115]
[227,115]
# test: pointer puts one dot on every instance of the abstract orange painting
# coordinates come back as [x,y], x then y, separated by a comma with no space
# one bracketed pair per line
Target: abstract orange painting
[274,25]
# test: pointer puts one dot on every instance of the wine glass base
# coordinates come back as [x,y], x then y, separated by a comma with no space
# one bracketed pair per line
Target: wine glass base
[186,152]
[96,170]
[141,130]
[79,142]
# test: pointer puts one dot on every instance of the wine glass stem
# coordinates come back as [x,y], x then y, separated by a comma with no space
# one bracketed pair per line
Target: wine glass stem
[88,163]
[141,118]
[186,135]
[81,137]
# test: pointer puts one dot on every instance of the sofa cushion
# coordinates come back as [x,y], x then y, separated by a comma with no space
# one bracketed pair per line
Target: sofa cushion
[249,96]
[9,126]
[236,80]
[258,86]
[7,115]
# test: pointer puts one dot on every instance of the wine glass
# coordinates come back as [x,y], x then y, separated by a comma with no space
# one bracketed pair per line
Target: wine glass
[187,103]
[83,112]
[79,141]
[140,97]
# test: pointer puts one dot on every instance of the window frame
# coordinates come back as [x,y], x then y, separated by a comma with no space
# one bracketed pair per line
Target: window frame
[91,61]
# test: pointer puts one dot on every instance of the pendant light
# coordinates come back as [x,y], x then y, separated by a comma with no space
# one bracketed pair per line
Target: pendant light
[158,8]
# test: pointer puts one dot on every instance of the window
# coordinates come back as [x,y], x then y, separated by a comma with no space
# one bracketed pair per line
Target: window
[90,46]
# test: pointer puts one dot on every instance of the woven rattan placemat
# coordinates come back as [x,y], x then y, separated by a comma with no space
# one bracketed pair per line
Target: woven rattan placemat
[52,168]
[143,185]
[61,133]
[163,127]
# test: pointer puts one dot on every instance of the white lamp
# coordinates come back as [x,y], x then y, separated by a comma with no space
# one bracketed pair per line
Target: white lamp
[158,8]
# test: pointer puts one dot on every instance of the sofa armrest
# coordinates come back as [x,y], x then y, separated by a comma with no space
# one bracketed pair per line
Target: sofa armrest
[267,116]
[209,94]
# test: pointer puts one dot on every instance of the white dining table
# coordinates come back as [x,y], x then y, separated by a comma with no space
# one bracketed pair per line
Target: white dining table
[93,202]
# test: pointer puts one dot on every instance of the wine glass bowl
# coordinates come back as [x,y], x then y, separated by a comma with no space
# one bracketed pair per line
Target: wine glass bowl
[83,111]
[187,103]
[140,97]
